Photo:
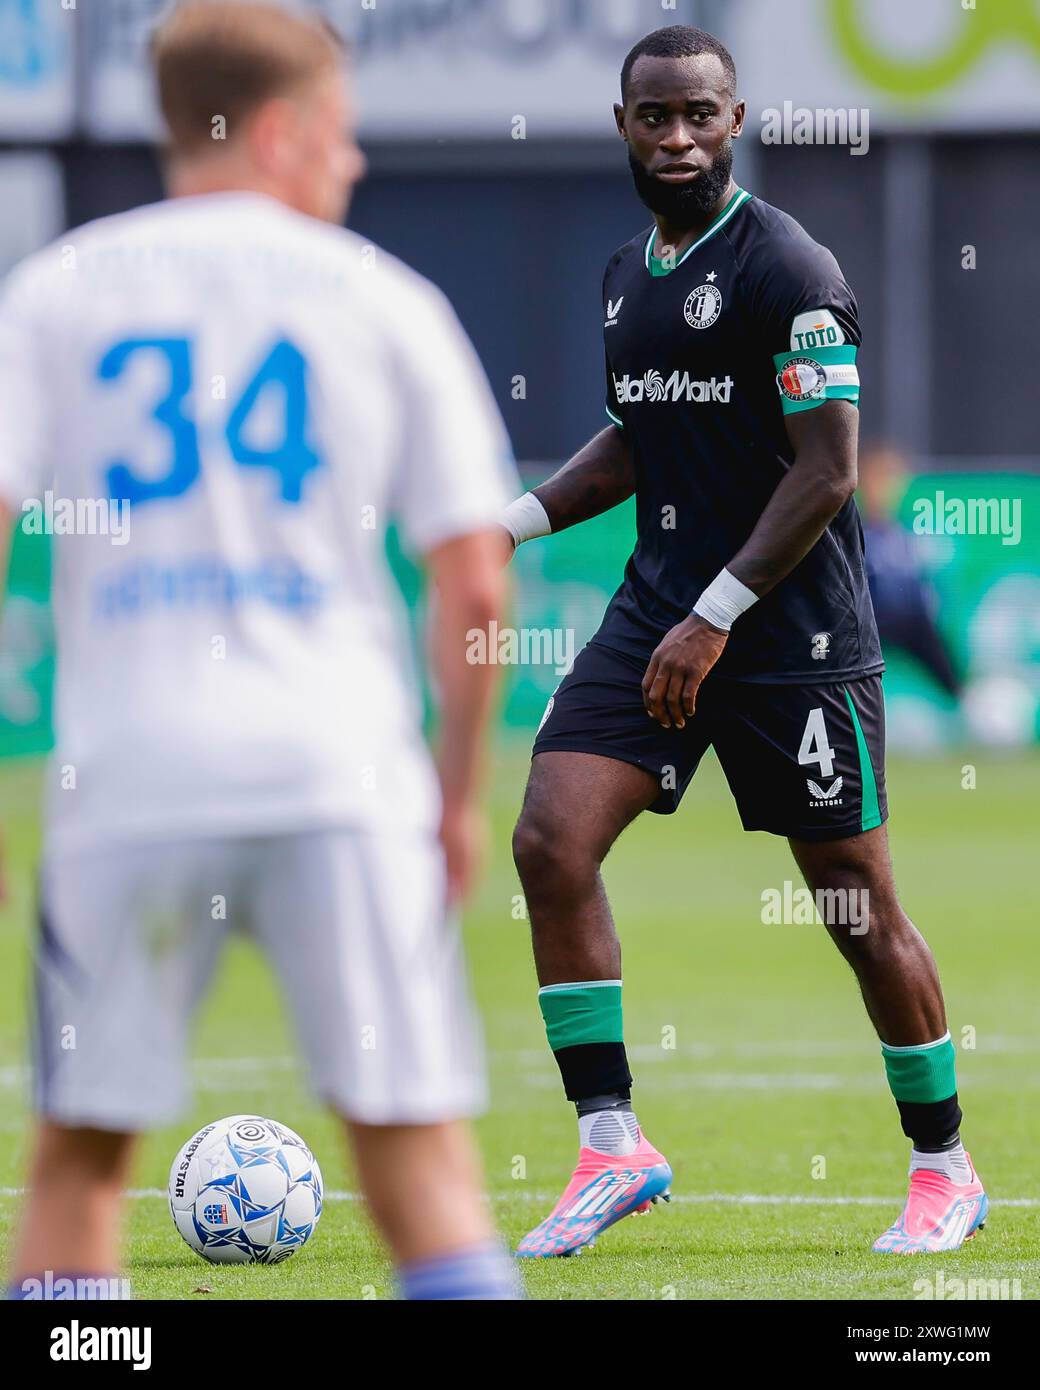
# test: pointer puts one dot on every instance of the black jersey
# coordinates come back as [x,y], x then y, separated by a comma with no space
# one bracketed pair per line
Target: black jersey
[704,359]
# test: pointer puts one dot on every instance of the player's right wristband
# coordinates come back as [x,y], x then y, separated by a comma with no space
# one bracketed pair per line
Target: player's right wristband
[723,601]
[526,518]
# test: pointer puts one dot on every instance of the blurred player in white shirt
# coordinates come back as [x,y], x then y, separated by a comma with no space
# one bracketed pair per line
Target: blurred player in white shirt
[238,395]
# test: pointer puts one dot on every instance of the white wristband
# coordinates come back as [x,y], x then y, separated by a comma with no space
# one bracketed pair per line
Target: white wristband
[723,601]
[526,518]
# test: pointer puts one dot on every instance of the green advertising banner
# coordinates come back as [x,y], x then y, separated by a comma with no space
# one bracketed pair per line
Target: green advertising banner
[26,649]
[978,541]
[986,585]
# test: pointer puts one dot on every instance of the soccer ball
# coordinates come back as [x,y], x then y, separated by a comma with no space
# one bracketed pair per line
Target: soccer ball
[245,1190]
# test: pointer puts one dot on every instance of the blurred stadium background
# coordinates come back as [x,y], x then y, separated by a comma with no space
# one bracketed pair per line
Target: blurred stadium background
[496,172]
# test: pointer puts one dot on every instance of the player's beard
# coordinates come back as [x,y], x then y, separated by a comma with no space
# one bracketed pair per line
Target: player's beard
[683,205]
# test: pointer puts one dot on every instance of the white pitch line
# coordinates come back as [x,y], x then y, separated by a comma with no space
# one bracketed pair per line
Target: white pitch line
[736,1199]
[749,1199]
[147,1193]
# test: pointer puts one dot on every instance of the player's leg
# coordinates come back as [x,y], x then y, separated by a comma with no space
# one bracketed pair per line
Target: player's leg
[852,879]
[70,1219]
[372,966]
[438,1165]
[127,941]
[575,807]
[899,982]
[424,1186]
[808,762]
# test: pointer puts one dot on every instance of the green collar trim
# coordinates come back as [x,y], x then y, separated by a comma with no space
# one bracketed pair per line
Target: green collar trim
[653,264]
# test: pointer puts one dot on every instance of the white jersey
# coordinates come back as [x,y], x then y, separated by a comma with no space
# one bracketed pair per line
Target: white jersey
[227,402]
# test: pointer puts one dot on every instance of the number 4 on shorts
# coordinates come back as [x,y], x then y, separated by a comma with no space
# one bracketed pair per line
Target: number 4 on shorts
[815,746]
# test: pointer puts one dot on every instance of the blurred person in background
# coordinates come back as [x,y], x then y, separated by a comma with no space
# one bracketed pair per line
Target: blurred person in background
[904,603]
[226,376]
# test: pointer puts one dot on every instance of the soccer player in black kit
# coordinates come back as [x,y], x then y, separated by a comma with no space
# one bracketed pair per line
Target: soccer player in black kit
[743,622]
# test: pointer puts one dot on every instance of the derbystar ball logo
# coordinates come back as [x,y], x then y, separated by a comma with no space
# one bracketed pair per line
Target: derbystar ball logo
[680,386]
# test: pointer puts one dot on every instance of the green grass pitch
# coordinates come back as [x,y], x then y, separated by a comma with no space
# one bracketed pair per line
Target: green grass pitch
[755,1065]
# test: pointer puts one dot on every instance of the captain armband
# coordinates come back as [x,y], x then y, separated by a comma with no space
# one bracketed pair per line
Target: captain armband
[809,377]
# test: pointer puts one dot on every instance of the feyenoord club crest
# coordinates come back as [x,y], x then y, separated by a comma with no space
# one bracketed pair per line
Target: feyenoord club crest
[703,306]
[801,379]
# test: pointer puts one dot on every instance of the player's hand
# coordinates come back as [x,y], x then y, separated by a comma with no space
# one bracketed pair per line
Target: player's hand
[463,837]
[682,659]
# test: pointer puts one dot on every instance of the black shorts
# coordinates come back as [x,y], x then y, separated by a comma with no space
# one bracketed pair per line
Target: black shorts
[805,761]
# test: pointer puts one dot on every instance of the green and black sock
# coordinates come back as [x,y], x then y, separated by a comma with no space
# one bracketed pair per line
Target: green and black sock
[584,1026]
[923,1081]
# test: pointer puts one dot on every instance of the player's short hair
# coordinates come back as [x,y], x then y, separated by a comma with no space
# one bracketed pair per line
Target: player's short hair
[226,57]
[679,41]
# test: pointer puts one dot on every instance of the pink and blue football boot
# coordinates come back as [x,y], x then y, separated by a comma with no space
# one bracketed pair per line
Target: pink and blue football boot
[601,1191]
[938,1215]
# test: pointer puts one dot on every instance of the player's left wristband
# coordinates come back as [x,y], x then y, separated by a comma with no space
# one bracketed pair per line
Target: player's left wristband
[723,601]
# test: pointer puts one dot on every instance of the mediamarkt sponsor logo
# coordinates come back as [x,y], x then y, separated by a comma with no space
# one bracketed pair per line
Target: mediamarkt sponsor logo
[680,386]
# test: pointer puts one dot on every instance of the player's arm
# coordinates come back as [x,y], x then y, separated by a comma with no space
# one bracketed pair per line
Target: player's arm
[814,489]
[598,477]
[812,492]
[469,592]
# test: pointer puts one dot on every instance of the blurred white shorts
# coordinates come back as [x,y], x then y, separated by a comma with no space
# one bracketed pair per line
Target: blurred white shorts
[355,929]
